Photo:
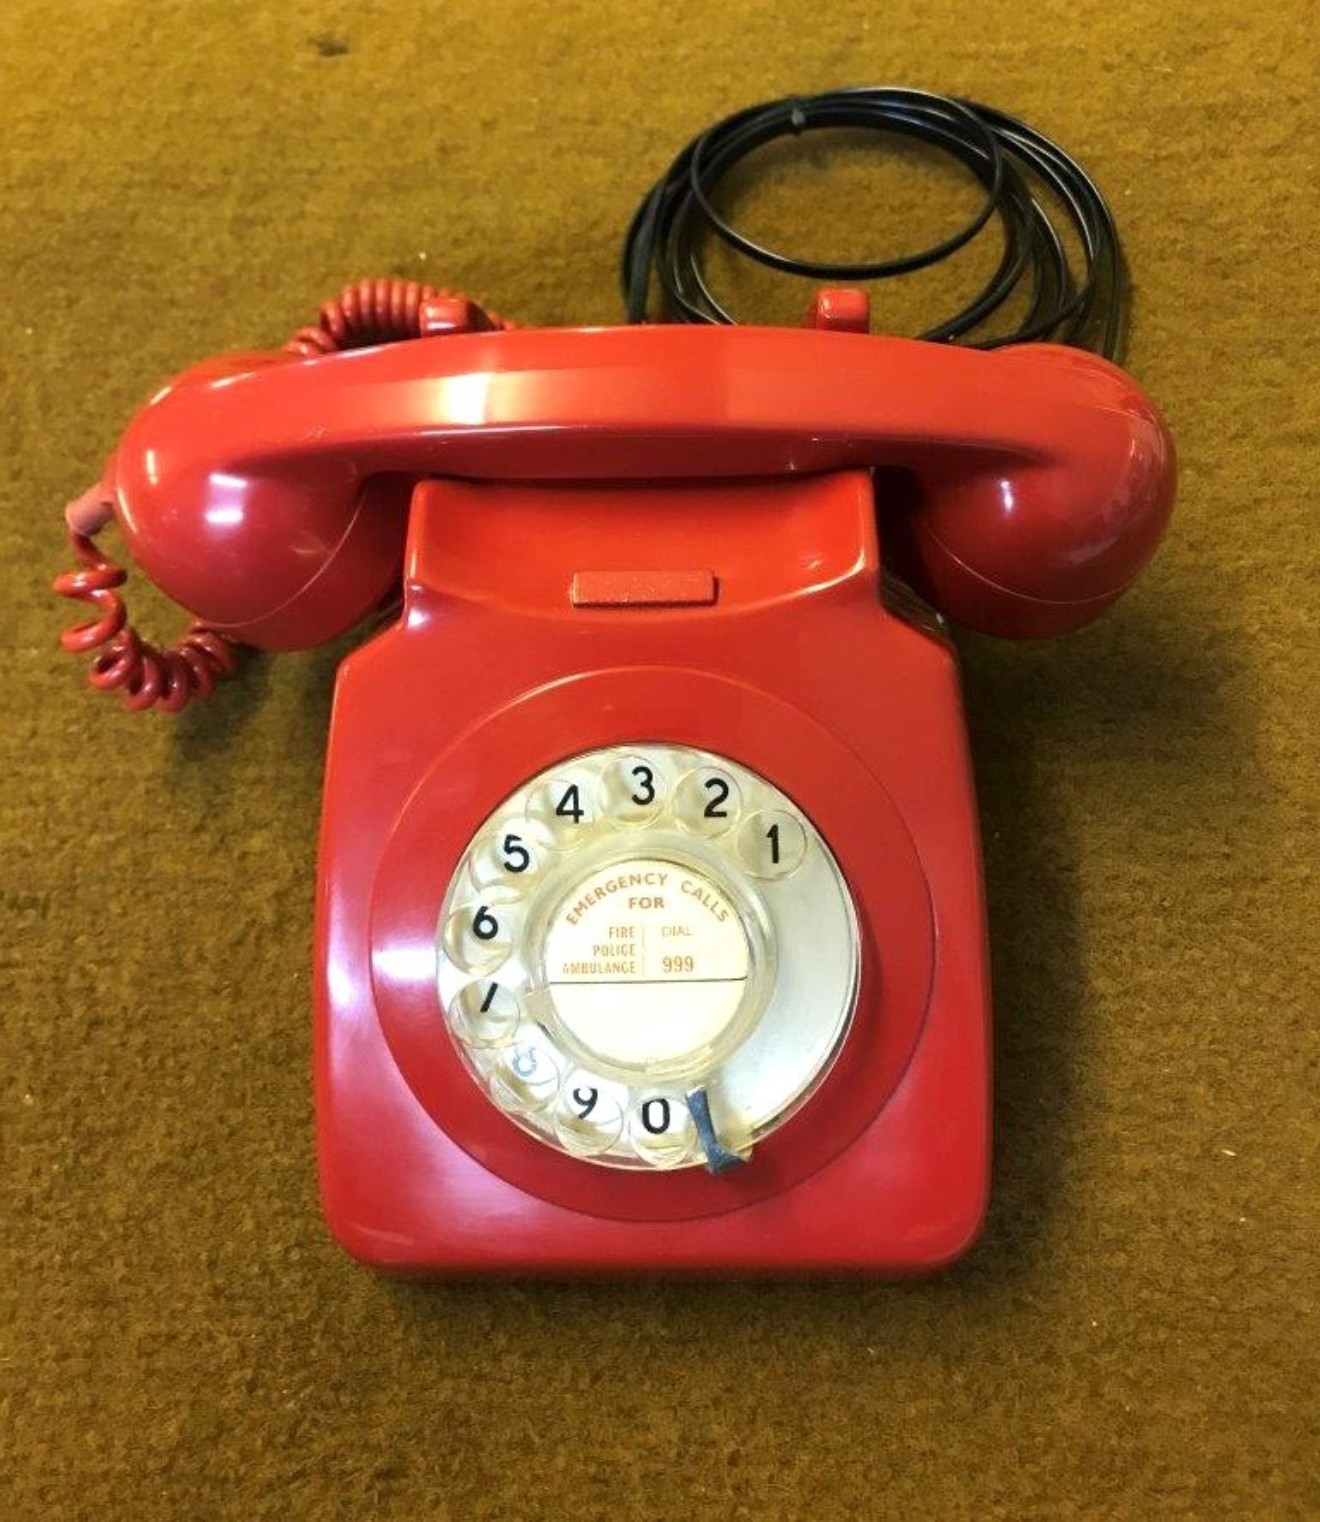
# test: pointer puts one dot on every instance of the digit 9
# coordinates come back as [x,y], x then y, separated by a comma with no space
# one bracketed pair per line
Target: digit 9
[676,966]
[589,1118]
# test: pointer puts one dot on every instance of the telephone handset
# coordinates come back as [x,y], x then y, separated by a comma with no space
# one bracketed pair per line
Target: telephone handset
[650,924]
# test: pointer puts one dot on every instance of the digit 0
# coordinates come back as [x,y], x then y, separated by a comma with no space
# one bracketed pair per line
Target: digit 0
[655,1116]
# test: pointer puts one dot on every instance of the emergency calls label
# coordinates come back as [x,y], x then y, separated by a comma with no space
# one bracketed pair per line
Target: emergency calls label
[647,962]
[648,921]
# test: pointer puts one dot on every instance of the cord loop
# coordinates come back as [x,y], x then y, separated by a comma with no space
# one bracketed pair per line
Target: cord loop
[671,227]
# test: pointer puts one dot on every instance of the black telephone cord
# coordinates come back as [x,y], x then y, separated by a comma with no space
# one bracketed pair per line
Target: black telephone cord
[677,217]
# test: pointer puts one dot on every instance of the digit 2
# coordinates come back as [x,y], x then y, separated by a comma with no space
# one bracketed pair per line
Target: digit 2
[718,789]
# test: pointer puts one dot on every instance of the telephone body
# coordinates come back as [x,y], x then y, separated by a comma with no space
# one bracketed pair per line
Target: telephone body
[650,925]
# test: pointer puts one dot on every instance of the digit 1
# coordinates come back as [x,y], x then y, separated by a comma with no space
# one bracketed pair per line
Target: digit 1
[772,835]
[490,998]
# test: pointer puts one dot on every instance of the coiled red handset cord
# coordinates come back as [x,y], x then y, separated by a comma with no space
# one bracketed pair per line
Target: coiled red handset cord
[169,678]
[145,675]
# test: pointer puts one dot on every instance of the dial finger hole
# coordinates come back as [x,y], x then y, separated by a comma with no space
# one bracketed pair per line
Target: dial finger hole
[708,801]
[771,843]
[512,855]
[632,789]
[526,1074]
[484,1014]
[661,1131]
[564,806]
[478,936]
[589,1114]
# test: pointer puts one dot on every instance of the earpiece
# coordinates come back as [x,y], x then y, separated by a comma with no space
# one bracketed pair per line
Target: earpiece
[1040,546]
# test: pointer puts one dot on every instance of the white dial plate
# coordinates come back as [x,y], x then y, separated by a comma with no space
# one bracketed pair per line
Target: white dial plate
[648,957]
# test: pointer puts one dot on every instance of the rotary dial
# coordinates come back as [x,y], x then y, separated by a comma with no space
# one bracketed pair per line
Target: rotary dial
[648,957]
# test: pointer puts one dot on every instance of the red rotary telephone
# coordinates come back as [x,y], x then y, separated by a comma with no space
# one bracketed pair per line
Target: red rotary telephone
[650,931]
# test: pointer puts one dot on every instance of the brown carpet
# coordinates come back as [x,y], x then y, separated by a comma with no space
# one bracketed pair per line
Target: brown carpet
[1136,1337]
